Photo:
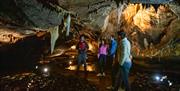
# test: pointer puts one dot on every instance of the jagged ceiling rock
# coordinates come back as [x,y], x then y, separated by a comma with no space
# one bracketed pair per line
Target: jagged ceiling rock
[146,28]
[93,12]
[30,13]
[40,16]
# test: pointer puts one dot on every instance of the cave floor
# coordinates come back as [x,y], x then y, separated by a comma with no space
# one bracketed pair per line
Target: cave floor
[63,62]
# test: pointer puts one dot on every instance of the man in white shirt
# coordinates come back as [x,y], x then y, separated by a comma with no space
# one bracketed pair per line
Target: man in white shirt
[124,60]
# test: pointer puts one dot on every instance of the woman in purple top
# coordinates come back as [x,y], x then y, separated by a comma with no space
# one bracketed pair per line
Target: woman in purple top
[102,53]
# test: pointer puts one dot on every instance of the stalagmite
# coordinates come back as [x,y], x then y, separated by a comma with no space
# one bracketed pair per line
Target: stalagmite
[54,36]
[146,44]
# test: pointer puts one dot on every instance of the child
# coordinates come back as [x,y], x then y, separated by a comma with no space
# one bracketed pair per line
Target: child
[103,49]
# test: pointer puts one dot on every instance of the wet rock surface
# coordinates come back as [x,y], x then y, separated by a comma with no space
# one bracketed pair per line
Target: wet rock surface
[58,78]
[152,33]
[35,82]
[151,82]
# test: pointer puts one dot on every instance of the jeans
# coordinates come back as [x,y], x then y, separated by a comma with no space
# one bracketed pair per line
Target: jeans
[114,69]
[82,60]
[111,57]
[122,76]
[102,62]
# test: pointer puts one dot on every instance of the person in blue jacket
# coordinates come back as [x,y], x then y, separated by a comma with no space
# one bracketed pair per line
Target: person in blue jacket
[112,53]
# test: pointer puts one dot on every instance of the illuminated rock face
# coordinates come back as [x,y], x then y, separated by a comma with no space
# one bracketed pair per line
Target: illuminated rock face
[151,33]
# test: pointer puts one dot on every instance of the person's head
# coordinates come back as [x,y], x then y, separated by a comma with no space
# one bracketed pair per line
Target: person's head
[102,41]
[121,35]
[112,37]
[82,38]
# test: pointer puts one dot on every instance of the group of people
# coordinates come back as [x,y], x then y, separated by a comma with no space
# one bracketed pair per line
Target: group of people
[119,52]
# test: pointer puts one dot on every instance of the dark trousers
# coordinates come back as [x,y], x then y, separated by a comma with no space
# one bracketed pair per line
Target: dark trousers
[102,63]
[114,69]
[122,77]
[81,60]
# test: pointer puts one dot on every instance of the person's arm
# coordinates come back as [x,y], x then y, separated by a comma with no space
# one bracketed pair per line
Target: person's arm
[116,59]
[123,53]
[77,46]
[115,47]
[98,52]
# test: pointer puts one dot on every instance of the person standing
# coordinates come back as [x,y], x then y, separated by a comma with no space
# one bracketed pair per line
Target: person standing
[113,66]
[124,59]
[82,48]
[103,49]
[112,49]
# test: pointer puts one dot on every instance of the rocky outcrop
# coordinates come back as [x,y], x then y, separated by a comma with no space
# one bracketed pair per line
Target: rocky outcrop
[30,13]
[151,33]
[21,46]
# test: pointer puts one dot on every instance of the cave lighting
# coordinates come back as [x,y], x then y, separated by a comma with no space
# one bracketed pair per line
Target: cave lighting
[36,67]
[89,68]
[70,62]
[73,47]
[45,70]
[90,47]
[72,56]
[170,83]
[71,67]
[163,78]
[157,78]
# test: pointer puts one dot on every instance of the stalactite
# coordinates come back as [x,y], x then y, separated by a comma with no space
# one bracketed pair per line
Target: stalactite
[68,24]
[54,36]
[156,6]
[106,21]
[146,44]
[118,1]
[120,10]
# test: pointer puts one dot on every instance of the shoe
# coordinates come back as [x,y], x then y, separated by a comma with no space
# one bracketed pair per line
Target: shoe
[103,74]
[99,74]
[110,87]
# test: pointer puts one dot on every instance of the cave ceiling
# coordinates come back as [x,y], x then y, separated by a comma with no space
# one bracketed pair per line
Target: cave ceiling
[152,27]
[91,11]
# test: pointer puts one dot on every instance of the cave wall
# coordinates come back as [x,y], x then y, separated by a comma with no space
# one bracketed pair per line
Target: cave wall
[151,33]
[30,13]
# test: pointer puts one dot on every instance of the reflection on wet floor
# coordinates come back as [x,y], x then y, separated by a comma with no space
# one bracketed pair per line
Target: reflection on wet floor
[90,67]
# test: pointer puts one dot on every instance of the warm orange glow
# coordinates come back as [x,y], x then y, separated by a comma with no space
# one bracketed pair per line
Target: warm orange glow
[90,46]
[89,67]
[144,18]
[9,35]
[73,47]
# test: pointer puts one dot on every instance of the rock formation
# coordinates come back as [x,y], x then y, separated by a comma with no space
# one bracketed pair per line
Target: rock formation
[152,32]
